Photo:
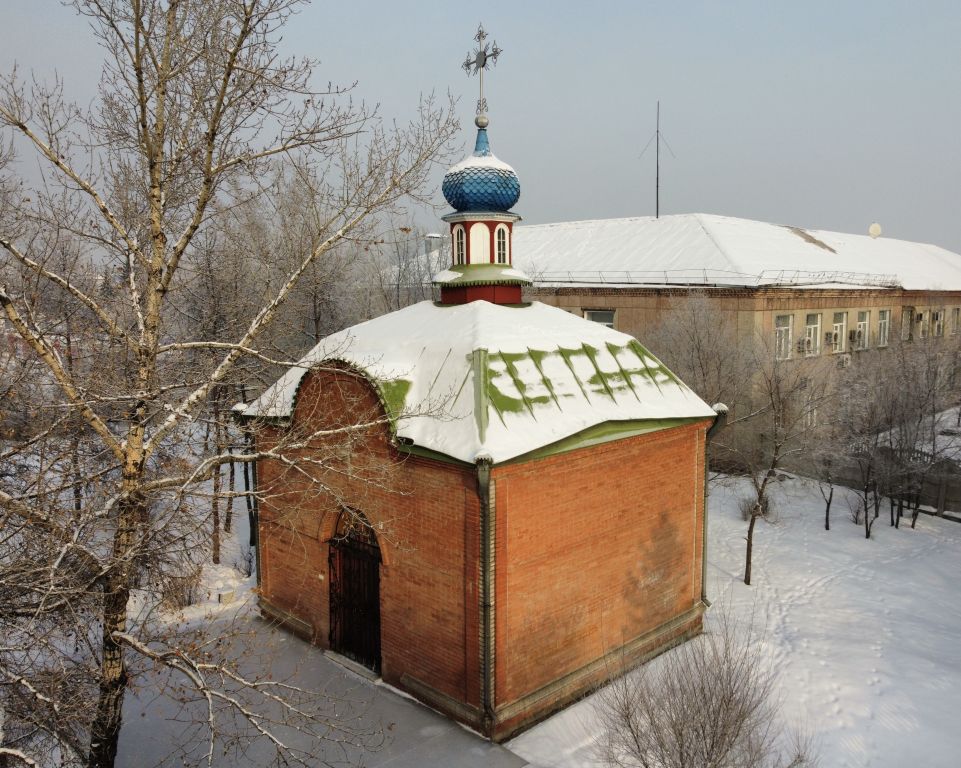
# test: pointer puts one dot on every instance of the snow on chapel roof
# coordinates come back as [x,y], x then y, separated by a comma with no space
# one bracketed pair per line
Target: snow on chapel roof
[480,380]
[697,248]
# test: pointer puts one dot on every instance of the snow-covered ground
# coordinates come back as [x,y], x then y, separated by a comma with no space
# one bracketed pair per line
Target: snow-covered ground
[865,635]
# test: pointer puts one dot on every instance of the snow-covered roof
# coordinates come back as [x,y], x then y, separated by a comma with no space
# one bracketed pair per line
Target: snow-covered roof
[697,248]
[480,380]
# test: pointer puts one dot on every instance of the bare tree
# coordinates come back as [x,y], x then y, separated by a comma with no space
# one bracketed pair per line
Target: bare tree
[825,479]
[700,343]
[196,109]
[710,702]
[921,382]
[776,397]
[398,266]
[777,426]
[885,434]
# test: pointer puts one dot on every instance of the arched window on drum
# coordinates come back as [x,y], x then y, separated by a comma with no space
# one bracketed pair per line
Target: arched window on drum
[460,245]
[501,245]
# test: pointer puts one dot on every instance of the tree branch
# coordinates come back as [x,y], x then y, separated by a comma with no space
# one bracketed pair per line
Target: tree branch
[64,379]
[58,161]
[112,328]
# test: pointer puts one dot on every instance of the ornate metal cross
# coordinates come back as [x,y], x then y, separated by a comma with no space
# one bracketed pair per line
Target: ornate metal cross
[483,55]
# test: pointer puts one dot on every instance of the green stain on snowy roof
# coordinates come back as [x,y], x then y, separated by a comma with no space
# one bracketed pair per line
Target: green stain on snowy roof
[653,366]
[520,382]
[537,357]
[599,380]
[624,374]
[507,391]
[393,393]
[567,356]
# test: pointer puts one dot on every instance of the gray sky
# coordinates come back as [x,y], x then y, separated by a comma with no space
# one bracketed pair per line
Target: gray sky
[828,114]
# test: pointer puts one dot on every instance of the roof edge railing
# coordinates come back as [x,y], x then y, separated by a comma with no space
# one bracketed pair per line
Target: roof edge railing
[714,277]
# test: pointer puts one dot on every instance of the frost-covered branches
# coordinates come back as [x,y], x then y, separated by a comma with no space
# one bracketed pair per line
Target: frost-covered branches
[710,702]
[143,286]
[886,437]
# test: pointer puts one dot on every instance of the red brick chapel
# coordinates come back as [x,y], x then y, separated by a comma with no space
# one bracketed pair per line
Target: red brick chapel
[493,504]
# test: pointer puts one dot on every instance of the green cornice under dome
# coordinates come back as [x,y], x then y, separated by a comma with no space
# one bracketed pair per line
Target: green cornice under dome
[480,274]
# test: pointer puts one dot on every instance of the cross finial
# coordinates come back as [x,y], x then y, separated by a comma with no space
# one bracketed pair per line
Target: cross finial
[475,64]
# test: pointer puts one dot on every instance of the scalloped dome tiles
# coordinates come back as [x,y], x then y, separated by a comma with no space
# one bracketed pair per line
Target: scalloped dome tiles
[481,182]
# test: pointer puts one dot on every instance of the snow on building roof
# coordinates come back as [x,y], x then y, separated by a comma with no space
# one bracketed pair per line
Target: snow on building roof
[480,380]
[697,248]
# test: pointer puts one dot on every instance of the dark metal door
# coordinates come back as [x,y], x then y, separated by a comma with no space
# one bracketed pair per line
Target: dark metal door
[355,596]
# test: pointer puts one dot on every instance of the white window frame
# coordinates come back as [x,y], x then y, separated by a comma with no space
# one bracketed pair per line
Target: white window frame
[812,335]
[600,316]
[937,323]
[783,337]
[955,320]
[839,333]
[924,324]
[501,255]
[884,327]
[460,245]
[862,339]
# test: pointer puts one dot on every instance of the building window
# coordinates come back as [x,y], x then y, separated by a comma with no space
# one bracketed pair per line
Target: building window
[862,336]
[924,324]
[460,246]
[907,324]
[955,319]
[937,321]
[602,316]
[812,335]
[884,327]
[501,241]
[782,336]
[839,329]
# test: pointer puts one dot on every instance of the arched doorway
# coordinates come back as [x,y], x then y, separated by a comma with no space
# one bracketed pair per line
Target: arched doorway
[355,590]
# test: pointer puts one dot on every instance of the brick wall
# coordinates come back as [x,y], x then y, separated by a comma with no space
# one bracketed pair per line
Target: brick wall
[425,514]
[595,549]
[598,554]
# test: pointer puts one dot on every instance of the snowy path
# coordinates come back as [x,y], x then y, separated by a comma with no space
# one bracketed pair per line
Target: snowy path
[864,634]
[159,731]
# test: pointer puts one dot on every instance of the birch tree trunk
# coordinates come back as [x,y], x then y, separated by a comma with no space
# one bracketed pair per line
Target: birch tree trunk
[169,179]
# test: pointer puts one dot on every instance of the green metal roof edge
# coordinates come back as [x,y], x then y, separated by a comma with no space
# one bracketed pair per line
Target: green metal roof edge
[603,433]
[426,453]
[596,435]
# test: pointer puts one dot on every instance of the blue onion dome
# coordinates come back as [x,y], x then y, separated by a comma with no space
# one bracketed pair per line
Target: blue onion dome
[481,182]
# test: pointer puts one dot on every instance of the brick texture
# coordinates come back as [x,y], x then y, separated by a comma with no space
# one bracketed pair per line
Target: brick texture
[424,512]
[597,550]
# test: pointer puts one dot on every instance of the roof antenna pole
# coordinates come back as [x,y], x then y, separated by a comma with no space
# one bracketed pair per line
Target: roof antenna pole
[656,138]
